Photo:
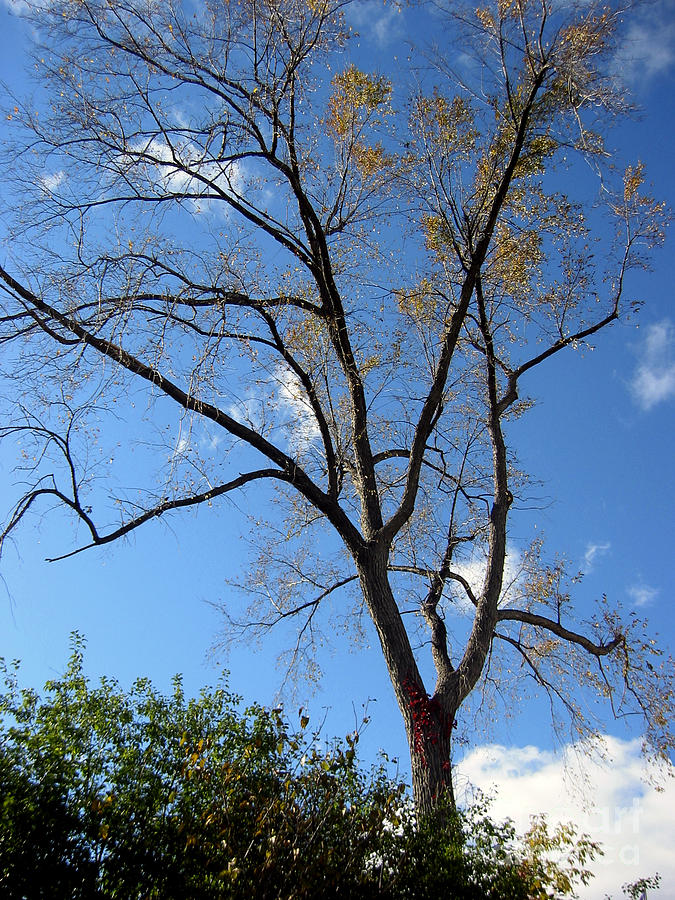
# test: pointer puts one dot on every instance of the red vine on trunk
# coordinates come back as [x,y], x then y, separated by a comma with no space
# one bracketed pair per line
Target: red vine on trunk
[429,721]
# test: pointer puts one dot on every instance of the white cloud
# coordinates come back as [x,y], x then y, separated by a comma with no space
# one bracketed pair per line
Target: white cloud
[281,407]
[654,379]
[211,441]
[613,804]
[166,167]
[292,400]
[592,552]
[50,182]
[377,23]
[195,438]
[250,410]
[181,449]
[642,594]
[648,47]
[473,571]
[18,7]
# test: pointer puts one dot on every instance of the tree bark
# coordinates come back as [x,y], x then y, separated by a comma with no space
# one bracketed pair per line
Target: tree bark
[430,747]
[428,720]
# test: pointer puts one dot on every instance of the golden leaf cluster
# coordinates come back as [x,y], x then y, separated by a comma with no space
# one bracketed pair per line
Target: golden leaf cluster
[435,232]
[355,97]
[419,303]
[516,258]
[371,160]
[633,180]
[451,121]
[588,36]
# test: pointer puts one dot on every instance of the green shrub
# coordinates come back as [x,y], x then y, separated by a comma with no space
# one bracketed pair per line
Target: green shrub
[115,794]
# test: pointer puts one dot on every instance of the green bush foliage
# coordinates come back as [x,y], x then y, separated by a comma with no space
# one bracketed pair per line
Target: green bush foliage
[113,794]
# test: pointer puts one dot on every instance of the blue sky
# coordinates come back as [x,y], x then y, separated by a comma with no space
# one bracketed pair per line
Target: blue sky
[601,441]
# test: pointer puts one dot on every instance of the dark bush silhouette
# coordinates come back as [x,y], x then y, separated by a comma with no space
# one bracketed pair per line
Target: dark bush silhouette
[115,794]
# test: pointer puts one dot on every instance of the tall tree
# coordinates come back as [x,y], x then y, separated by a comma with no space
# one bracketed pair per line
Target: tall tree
[346,286]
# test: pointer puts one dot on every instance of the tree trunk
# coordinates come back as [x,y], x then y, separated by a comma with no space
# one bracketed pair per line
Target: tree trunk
[430,745]
[428,720]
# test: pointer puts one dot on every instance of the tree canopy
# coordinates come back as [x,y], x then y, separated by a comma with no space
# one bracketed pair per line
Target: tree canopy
[342,283]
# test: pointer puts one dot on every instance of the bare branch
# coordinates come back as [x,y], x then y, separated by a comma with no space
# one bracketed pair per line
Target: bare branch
[165,506]
[290,469]
[538,621]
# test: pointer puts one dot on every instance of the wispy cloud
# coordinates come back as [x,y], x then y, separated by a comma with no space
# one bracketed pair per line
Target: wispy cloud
[183,169]
[251,410]
[181,448]
[299,420]
[210,442]
[592,553]
[648,47]
[473,571]
[631,819]
[49,183]
[18,7]
[377,23]
[642,594]
[197,440]
[281,408]
[654,379]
